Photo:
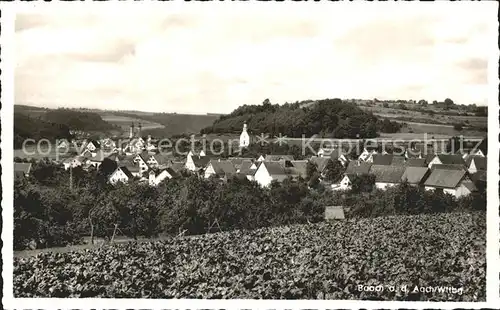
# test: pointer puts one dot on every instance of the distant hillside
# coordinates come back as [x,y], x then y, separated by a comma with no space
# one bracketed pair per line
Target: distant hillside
[78,120]
[27,127]
[329,118]
[176,124]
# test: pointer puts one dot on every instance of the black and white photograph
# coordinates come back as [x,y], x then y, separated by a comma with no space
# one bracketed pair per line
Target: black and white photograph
[238,151]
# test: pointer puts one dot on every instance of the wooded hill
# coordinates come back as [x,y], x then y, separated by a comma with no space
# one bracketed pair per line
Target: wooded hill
[328,118]
[26,127]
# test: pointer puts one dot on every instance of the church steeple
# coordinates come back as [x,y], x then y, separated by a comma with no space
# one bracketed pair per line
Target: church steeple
[244,138]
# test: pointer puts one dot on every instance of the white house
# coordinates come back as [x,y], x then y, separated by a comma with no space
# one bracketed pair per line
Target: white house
[220,168]
[261,158]
[244,137]
[141,160]
[268,172]
[387,176]
[454,182]
[476,163]
[63,144]
[74,162]
[345,183]
[157,178]
[366,154]
[92,146]
[121,174]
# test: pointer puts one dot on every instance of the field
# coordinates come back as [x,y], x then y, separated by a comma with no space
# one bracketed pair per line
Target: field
[442,254]
[124,122]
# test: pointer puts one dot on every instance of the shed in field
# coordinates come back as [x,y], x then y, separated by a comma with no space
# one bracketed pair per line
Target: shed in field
[334,213]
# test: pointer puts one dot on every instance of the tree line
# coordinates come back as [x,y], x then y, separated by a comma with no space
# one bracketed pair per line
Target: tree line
[327,118]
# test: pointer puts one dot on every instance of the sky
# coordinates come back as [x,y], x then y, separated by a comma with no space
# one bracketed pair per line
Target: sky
[189,60]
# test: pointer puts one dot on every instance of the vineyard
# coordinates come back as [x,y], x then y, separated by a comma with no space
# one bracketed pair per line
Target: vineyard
[314,261]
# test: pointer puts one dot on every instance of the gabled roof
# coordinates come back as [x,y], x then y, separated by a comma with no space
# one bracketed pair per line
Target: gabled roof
[223,167]
[278,157]
[238,161]
[479,161]
[126,171]
[470,186]
[479,176]
[415,162]
[447,167]
[444,178]
[382,159]
[98,157]
[22,168]
[274,168]
[398,160]
[299,168]
[321,162]
[357,167]
[415,175]
[387,174]
[451,159]
[96,143]
[245,168]
[177,166]
[200,162]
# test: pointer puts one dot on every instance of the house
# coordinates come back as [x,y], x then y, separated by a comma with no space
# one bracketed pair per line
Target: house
[74,162]
[141,159]
[63,144]
[93,146]
[22,170]
[108,143]
[298,168]
[387,176]
[96,160]
[158,161]
[475,163]
[367,153]
[219,168]
[261,158]
[338,154]
[238,161]
[156,177]
[177,167]
[354,168]
[447,159]
[416,162]
[454,182]
[121,174]
[387,159]
[269,171]
[415,176]
[448,167]
[248,169]
[321,163]
[479,179]
[195,163]
[199,154]
[278,157]
[334,213]
[244,137]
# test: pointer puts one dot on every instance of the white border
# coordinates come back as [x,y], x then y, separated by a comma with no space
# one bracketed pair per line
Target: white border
[7,38]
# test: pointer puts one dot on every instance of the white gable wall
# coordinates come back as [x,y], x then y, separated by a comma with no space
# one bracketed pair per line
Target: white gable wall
[262,176]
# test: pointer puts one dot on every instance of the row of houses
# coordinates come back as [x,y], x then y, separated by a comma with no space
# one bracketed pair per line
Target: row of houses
[448,173]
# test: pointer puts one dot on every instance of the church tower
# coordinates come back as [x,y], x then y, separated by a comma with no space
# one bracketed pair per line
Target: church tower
[131,134]
[244,137]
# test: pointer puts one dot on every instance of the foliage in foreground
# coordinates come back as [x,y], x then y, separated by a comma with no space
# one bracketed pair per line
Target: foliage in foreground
[314,261]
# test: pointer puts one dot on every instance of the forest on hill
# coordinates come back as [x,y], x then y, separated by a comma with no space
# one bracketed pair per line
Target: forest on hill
[328,118]
[26,127]
[78,120]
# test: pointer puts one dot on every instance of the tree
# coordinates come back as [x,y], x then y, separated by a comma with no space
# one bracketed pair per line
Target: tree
[363,183]
[423,102]
[333,171]
[385,105]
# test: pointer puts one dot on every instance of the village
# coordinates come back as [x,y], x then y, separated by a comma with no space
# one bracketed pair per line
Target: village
[137,158]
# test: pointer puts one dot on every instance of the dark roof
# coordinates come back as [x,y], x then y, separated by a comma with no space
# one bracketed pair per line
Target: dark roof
[447,167]
[238,161]
[132,168]
[398,160]
[321,162]
[223,167]
[479,176]
[382,159]
[126,171]
[357,167]
[177,166]
[470,186]
[299,168]
[200,162]
[451,159]
[479,161]
[22,168]
[274,168]
[96,143]
[245,168]
[334,213]
[415,162]
[278,157]
[387,174]
[444,178]
[415,175]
